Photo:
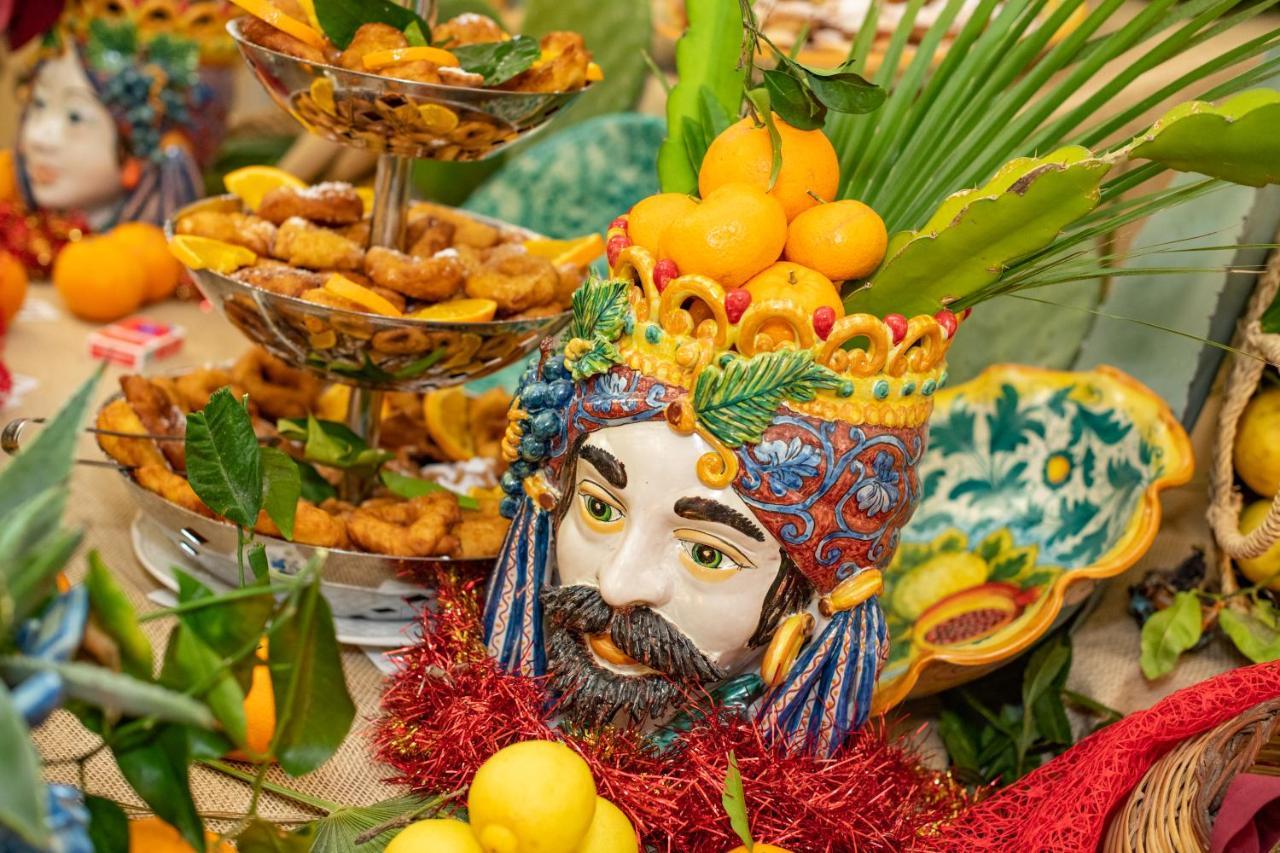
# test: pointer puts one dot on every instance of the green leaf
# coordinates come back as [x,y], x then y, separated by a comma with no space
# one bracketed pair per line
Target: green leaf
[706,57]
[188,662]
[341,18]
[116,616]
[281,488]
[599,357]
[975,234]
[227,627]
[156,768]
[734,800]
[791,99]
[761,100]
[332,444]
[337,832]
[224,463]
[844,91]
[737,403]
[498,61]
[32,551]
[259,564]
[599,308]
[113,692]
[1256,640]
[416,34]
[315,488]
[263,836]
[1168,633]
[47,462]
[958,741]
[1042,684]
[313,709]
[1238,140]
[22,791]
[414,487]
[108,826]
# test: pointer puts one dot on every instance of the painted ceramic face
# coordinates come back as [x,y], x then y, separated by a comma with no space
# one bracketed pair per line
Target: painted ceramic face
[650,557]
[69,142]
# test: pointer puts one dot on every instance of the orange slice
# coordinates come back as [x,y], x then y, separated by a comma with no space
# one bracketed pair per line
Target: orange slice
[594,73]
[382,58]
[366,197]
[251,183]
[458,311]
[205,253]
[364,297]
[265,11]
[578,251]
[447,423]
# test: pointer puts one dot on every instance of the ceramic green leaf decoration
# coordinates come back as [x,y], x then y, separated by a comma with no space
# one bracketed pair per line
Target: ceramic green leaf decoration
[1238,140]
[737,403]
[599,309]
[976,233]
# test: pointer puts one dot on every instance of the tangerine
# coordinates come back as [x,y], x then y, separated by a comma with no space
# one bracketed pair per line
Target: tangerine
[743,153]
[803,287]
[735,233]
[153,835]
[150,247]
[13,288]
[650,218]
[97,279]
[259,714]
[842,240]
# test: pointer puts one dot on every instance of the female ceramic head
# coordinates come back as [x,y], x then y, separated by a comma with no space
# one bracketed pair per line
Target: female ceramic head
[120,111]
[688,507]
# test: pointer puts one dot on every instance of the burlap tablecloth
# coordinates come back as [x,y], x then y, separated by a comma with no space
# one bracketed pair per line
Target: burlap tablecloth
[50,347]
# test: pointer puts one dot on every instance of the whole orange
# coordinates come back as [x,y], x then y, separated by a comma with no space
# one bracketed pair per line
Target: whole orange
[842,240]
[13,288]
[148,245]
[259,713]
[98,280]
[650,218]
[152,835]
[743,153]
[806,288]
[737,231]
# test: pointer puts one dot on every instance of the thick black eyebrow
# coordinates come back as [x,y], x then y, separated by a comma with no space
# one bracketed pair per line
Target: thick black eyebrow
[705,509]
[607,464]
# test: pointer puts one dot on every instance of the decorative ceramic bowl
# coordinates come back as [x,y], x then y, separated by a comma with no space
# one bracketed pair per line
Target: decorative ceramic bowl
[383,114]
[369,350]
[1037,484]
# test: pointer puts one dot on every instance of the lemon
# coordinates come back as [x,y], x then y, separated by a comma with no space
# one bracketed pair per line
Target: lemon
[458,311]
[1266,565]
[532,797]
[438,835]
[448,422]
[251,183]
[1257,451]
[205,253]
[935,579]
[610,831]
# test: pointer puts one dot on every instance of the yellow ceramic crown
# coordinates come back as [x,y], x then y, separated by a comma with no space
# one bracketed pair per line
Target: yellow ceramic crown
[202,21]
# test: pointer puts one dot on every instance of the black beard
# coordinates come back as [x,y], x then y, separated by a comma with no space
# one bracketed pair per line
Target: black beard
[591,695]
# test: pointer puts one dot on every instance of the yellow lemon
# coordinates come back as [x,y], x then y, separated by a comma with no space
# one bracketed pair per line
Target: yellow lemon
[438,835]
[1266,566]
[251,183]
[448,423]
[1257,450]
[206,253]
[458,311]
[610,831]
[532,797]
[935,579]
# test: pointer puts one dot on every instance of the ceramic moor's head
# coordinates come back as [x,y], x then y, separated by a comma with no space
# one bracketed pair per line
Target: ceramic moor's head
[695,499]
[127,99]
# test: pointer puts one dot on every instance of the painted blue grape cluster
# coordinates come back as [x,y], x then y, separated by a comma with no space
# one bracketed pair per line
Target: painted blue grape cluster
[543,394]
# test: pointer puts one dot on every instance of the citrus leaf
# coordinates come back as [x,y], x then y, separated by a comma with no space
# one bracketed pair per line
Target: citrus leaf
[108,826]
[281,488]
[116,616]
[156,768]
[843,90]
[1169,633]
[227,627]
[736,403]
[413,487]
[762,102]
[1255,639]
[792,100]
[976,233]
[224,465]
[188,661]
[22,791]
[734,800]
[1238,140]
[498,61]
[315,488]
[341,18]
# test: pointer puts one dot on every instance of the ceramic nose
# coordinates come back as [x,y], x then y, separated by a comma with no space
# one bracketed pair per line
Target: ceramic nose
[636,576]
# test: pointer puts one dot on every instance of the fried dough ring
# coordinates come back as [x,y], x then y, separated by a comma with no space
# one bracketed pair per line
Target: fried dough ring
[240,229]
[433,279]
[311,526]
[119,416]
[329,203]
[414,528]
[195,388]
[160,414]
[302,244]
[172,487]
[514,279]
[278,390]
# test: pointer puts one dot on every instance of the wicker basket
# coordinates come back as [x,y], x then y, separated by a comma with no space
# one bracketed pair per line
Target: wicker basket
[1172,809]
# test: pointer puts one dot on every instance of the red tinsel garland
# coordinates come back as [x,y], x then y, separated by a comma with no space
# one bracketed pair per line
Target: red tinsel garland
[448,709]
[36,238]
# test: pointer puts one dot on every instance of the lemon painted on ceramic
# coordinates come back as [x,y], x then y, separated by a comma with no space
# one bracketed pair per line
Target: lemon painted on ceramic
[1265,568]
[1257,450]
[532,797]
[936,579]
[610,831]
[251,183]
[206,253]
[438,835]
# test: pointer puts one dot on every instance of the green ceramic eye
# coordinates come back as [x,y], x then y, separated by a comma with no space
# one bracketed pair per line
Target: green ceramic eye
[598,509]
[706,556]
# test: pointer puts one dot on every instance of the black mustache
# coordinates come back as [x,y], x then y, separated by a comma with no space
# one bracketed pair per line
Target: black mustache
[639,632]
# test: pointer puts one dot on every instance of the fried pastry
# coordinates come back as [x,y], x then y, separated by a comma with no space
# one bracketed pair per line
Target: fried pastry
[160,414]
[330,203]
[467,28]
[278,390]
[563,66]
[370,38]
[311,526]
[261,33]
[283,279]
[172,487]
[195,388]
[515,279]
[242,229]
[302,244]
[427,235]
[414,528]
[119,416]
[433,279]
[468,231]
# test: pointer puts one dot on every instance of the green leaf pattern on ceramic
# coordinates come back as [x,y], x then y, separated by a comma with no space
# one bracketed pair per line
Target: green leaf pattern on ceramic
[737,403]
